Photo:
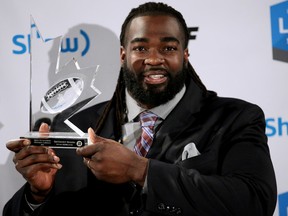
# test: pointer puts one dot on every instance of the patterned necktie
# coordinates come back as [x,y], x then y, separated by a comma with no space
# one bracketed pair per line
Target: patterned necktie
[147,120]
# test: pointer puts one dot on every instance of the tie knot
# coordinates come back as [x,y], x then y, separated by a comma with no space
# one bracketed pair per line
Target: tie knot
[148,119]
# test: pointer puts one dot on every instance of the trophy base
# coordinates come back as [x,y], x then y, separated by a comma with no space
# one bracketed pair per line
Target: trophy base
[57,139]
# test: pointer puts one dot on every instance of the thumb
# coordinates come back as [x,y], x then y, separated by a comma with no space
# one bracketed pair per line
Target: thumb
[93,137]
[44,129]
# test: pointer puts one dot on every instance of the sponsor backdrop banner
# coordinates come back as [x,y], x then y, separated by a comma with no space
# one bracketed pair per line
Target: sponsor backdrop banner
[238,48]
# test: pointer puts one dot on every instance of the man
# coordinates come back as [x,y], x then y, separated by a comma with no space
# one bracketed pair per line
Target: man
[209,154]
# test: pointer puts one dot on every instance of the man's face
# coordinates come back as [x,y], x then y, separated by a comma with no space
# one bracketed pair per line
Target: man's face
[154,59]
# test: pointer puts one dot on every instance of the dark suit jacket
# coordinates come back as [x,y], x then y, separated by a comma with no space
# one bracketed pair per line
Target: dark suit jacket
[233,175]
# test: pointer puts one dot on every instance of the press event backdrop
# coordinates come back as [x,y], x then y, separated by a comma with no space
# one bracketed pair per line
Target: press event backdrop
[238,48]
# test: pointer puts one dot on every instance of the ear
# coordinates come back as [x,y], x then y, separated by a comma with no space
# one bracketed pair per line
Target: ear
[186,56]
[122,54]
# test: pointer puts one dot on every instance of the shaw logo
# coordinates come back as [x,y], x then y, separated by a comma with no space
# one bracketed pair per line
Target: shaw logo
[283,204]
[279,27]
[276,127]
[22,43]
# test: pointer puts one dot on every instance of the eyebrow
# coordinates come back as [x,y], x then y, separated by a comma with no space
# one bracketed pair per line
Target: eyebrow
[164,39]
[170,39]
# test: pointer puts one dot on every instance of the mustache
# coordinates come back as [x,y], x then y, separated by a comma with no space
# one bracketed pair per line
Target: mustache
[156,69]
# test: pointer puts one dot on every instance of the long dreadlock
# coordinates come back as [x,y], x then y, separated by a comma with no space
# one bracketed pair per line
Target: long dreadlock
[118,98]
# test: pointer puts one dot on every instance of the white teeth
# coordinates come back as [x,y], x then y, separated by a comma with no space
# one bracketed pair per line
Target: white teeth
[156,76]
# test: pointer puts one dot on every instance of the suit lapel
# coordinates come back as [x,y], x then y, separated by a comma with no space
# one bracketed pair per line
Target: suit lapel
[181,117]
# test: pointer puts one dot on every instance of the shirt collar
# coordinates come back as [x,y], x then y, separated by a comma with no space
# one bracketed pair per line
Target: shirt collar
[162,111]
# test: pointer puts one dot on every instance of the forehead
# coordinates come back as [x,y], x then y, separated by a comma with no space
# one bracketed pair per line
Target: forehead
[154,26]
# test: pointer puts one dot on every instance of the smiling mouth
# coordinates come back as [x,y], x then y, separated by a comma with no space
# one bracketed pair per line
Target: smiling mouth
[154,79]
[156,76]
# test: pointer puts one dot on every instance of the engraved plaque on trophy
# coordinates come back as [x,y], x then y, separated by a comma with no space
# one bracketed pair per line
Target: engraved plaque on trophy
[57,93]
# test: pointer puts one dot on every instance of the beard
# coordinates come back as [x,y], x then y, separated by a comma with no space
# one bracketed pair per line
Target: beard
[153,96]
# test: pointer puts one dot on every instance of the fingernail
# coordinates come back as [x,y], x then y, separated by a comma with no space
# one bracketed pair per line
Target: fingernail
[26,142]
[56,159]
[44,124]
[58,166]
[78,149]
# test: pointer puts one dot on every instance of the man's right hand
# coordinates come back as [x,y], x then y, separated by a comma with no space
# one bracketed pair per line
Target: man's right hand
[37,164]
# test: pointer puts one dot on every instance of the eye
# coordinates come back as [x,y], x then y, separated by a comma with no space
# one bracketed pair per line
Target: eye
[139,48]
[170,48]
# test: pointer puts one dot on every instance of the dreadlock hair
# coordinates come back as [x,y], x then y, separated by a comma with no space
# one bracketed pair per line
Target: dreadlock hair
[117,101]
[118,98]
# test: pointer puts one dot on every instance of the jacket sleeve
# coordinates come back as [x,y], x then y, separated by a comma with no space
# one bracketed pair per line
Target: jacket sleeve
[242,181]
[13,206]
[18,205]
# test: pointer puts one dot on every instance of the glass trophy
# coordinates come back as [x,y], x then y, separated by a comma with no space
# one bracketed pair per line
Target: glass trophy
[57,92]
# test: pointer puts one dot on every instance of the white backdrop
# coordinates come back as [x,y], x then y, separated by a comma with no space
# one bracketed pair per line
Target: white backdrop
[232,53]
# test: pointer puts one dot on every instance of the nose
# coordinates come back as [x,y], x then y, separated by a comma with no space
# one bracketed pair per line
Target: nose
[154,57]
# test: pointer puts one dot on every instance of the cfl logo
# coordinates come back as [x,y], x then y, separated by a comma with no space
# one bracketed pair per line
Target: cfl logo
[279,27]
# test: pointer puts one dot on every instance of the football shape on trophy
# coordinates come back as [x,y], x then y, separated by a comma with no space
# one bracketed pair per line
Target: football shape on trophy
[62,95]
